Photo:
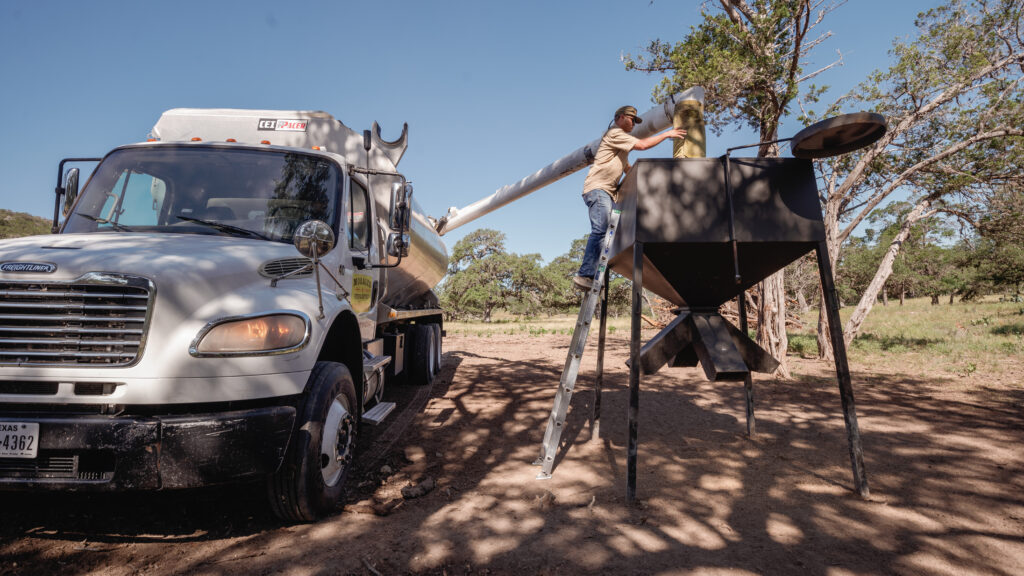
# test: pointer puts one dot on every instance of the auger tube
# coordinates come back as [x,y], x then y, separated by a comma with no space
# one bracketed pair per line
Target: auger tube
[654,120]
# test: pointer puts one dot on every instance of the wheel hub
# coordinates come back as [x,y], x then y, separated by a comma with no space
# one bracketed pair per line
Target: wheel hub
[336,444]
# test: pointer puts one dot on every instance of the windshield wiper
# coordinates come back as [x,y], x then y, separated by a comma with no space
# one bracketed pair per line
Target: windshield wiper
[114,225]
[233,230]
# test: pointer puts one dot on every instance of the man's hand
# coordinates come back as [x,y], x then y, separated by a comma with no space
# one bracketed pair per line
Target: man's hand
[652,141]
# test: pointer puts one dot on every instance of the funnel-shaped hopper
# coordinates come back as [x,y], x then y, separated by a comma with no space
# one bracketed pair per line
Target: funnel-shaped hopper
[679,210]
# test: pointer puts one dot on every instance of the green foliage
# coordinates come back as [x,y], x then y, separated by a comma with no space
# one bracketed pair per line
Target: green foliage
[747,58]
[999,252]
[930,263]
[18,224]
[483,278]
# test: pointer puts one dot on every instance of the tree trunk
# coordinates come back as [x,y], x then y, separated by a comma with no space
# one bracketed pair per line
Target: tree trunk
[885,296]
[853,326]
[771,321]
[834,246]
[951,294]
[903,294]
[935,299]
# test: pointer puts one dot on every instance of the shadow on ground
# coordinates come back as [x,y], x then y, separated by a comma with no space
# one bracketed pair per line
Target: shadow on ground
[943,462]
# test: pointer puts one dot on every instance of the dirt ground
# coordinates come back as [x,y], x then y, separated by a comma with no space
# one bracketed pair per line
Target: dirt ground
[943,455]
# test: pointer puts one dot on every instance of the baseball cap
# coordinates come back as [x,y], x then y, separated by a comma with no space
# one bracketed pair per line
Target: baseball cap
[629,111]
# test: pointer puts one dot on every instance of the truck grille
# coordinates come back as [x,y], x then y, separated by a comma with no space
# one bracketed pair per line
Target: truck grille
[99,319]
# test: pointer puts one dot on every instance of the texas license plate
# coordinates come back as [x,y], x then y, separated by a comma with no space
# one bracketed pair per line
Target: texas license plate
[19,439]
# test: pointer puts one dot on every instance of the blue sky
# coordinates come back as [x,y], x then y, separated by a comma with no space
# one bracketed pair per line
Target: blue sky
[492,91]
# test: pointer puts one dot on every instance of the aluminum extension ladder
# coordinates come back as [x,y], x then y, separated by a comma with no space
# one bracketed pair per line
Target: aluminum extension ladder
[556,422]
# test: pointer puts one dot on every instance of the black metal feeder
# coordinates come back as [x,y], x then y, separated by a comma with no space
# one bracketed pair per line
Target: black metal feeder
[699,232]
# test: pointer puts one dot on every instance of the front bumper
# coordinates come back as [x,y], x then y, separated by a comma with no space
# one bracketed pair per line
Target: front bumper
[94,452]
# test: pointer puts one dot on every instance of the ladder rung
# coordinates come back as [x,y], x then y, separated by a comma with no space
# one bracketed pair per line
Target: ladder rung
[570,373]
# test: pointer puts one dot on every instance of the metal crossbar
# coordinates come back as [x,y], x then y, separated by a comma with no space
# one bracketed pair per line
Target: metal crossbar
[556,422]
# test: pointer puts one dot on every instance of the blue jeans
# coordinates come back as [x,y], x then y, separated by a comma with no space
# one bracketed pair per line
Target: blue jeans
[599,203]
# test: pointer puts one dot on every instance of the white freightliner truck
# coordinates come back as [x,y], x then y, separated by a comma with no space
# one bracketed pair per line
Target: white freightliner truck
[170,335]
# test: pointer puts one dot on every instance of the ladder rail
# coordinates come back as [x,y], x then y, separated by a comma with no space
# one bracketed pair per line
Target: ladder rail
[570,373]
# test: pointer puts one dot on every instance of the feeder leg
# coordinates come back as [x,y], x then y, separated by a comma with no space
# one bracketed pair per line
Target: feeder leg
[599,381]
[748,382]
[634,370]
[835,330]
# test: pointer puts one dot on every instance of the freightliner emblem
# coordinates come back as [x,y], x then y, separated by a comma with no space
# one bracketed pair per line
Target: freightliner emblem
[32,267]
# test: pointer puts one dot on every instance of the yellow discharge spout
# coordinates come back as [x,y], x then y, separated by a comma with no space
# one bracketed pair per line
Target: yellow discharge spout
[689,115]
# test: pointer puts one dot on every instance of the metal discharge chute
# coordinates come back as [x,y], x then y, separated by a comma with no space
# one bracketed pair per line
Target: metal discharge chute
[654,120]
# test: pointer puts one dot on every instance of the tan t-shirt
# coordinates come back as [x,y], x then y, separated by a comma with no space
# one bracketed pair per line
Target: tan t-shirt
[610,162]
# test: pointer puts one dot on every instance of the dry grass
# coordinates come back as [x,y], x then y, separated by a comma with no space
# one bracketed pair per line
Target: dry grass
[962,339]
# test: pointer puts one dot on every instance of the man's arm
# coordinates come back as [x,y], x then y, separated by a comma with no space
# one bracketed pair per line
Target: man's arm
[652,141]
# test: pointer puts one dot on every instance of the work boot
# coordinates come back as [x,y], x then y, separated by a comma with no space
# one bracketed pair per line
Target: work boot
[582,282]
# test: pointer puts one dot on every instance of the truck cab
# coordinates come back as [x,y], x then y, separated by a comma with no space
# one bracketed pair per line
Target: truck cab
[223,303]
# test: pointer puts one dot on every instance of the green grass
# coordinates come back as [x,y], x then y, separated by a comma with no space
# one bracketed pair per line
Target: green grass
[506,324]
[956,339]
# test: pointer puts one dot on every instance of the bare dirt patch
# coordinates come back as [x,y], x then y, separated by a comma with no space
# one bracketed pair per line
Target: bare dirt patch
[943,457]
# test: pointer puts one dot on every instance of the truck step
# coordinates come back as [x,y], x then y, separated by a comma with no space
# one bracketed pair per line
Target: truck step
[378,413]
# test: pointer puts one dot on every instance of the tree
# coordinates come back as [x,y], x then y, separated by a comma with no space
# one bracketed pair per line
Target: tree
[749,59]
[482,277]
[999,255]
[952,98]
[562,298]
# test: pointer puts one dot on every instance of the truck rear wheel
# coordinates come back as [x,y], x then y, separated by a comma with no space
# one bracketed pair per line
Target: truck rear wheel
[420,361]
[437,347]
[311,480]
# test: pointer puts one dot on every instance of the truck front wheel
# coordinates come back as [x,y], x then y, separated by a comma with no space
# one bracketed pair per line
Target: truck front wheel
[311,480]
[421,359]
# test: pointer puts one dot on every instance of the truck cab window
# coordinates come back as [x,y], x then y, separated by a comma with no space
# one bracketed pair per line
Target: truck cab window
[135,199]
[359,219]
[208,190]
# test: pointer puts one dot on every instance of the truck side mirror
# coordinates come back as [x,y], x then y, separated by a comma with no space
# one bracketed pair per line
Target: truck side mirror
[70,190]
[398,244]
[401,207]
[313,239]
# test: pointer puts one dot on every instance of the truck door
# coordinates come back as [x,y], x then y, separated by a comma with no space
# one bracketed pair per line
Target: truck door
[366,288]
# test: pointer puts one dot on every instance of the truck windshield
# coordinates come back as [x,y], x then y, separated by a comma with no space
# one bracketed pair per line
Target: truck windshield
[207,190]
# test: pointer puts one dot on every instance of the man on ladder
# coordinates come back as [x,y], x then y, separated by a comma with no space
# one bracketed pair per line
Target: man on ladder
[610,163]
[601,186]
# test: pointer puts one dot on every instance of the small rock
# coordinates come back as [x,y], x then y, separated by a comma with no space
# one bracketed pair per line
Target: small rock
[361,509]
[386,470]
[415,454]
[578,500]
[546,500]
[416,490]
[385,508]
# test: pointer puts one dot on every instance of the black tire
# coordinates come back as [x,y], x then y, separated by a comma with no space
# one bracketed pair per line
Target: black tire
[437,347]
[419,359]
[432,351]
[311,480]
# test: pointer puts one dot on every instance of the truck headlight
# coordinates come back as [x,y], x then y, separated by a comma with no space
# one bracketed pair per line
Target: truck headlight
[255,335]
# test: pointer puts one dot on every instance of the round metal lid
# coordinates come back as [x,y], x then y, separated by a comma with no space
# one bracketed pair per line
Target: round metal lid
[838,135]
